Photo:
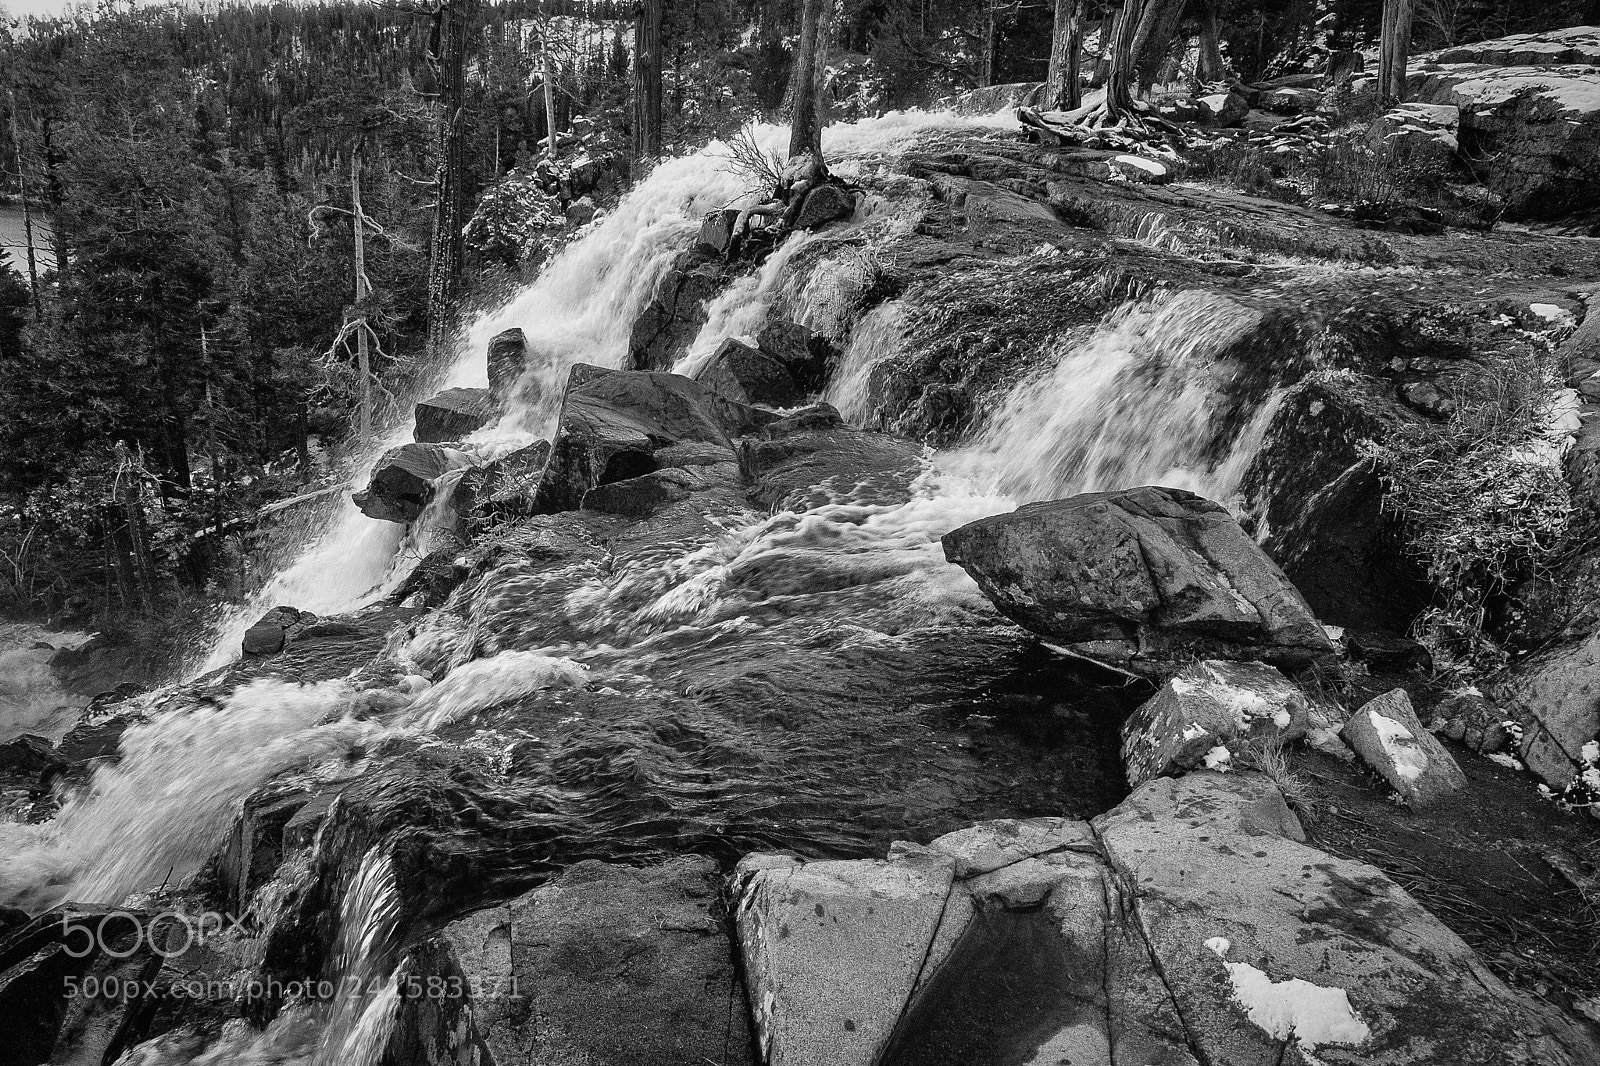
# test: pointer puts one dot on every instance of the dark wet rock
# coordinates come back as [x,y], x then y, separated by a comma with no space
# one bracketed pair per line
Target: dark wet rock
[274,629]
[502,487]
[716,233]
[811,457]
[28,756]
[255,847]
[746,374]
[507,358]
[452,415]
[1397,217]
[613,424]
[45,1022]
[673,317]
[439,573]
[402,482]
[825,204]
[804,352]
[1387,736]
[1140,577]
[1216,712]
[605,965]
[1156,936]
[1322,506]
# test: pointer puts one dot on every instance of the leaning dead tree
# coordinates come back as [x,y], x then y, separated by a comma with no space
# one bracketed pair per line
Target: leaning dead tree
[1394,43]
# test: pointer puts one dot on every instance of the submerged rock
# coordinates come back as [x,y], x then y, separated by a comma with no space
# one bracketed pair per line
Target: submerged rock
[810,457]
[1211,713]
[402,482]
[1140,577]
[452,415]
[1386,734]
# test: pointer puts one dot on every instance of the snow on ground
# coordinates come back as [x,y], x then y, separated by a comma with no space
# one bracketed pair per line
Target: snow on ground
[1310,1013]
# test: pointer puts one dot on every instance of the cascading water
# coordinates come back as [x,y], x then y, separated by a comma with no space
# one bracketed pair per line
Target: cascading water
[689,702]
[31,697]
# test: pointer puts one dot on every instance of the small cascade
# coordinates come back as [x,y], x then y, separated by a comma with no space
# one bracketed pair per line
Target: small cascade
[878,337]
[366,994]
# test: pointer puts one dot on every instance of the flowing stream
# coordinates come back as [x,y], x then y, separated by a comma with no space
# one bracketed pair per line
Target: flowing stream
[823,681]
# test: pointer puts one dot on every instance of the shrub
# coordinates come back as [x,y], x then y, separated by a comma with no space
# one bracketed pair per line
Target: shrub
[1482,499]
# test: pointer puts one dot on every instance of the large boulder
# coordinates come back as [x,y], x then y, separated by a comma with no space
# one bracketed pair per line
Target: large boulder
[507,358]
[1191,924]
[621,424]
[1529,114]
[452,415]
[274,629]
[1386,734]
[501,486]
[746,374]
[1211,712]
[607,966]
[1141,577]
[402,482]
[672,319]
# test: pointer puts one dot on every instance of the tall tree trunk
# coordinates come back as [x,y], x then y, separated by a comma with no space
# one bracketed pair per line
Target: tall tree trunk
[449,212]
[1120,74]
[810,70]
[1066,56]
[1211,68]
[647,80]
[362,290]
[1158,25]
[547,66]
[1395,44]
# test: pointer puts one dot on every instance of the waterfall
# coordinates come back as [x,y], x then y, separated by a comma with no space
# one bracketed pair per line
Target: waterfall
[366,994]
[1145,400]
[580,309]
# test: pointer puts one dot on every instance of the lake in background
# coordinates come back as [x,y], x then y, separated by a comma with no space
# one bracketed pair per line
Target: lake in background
[13,240]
